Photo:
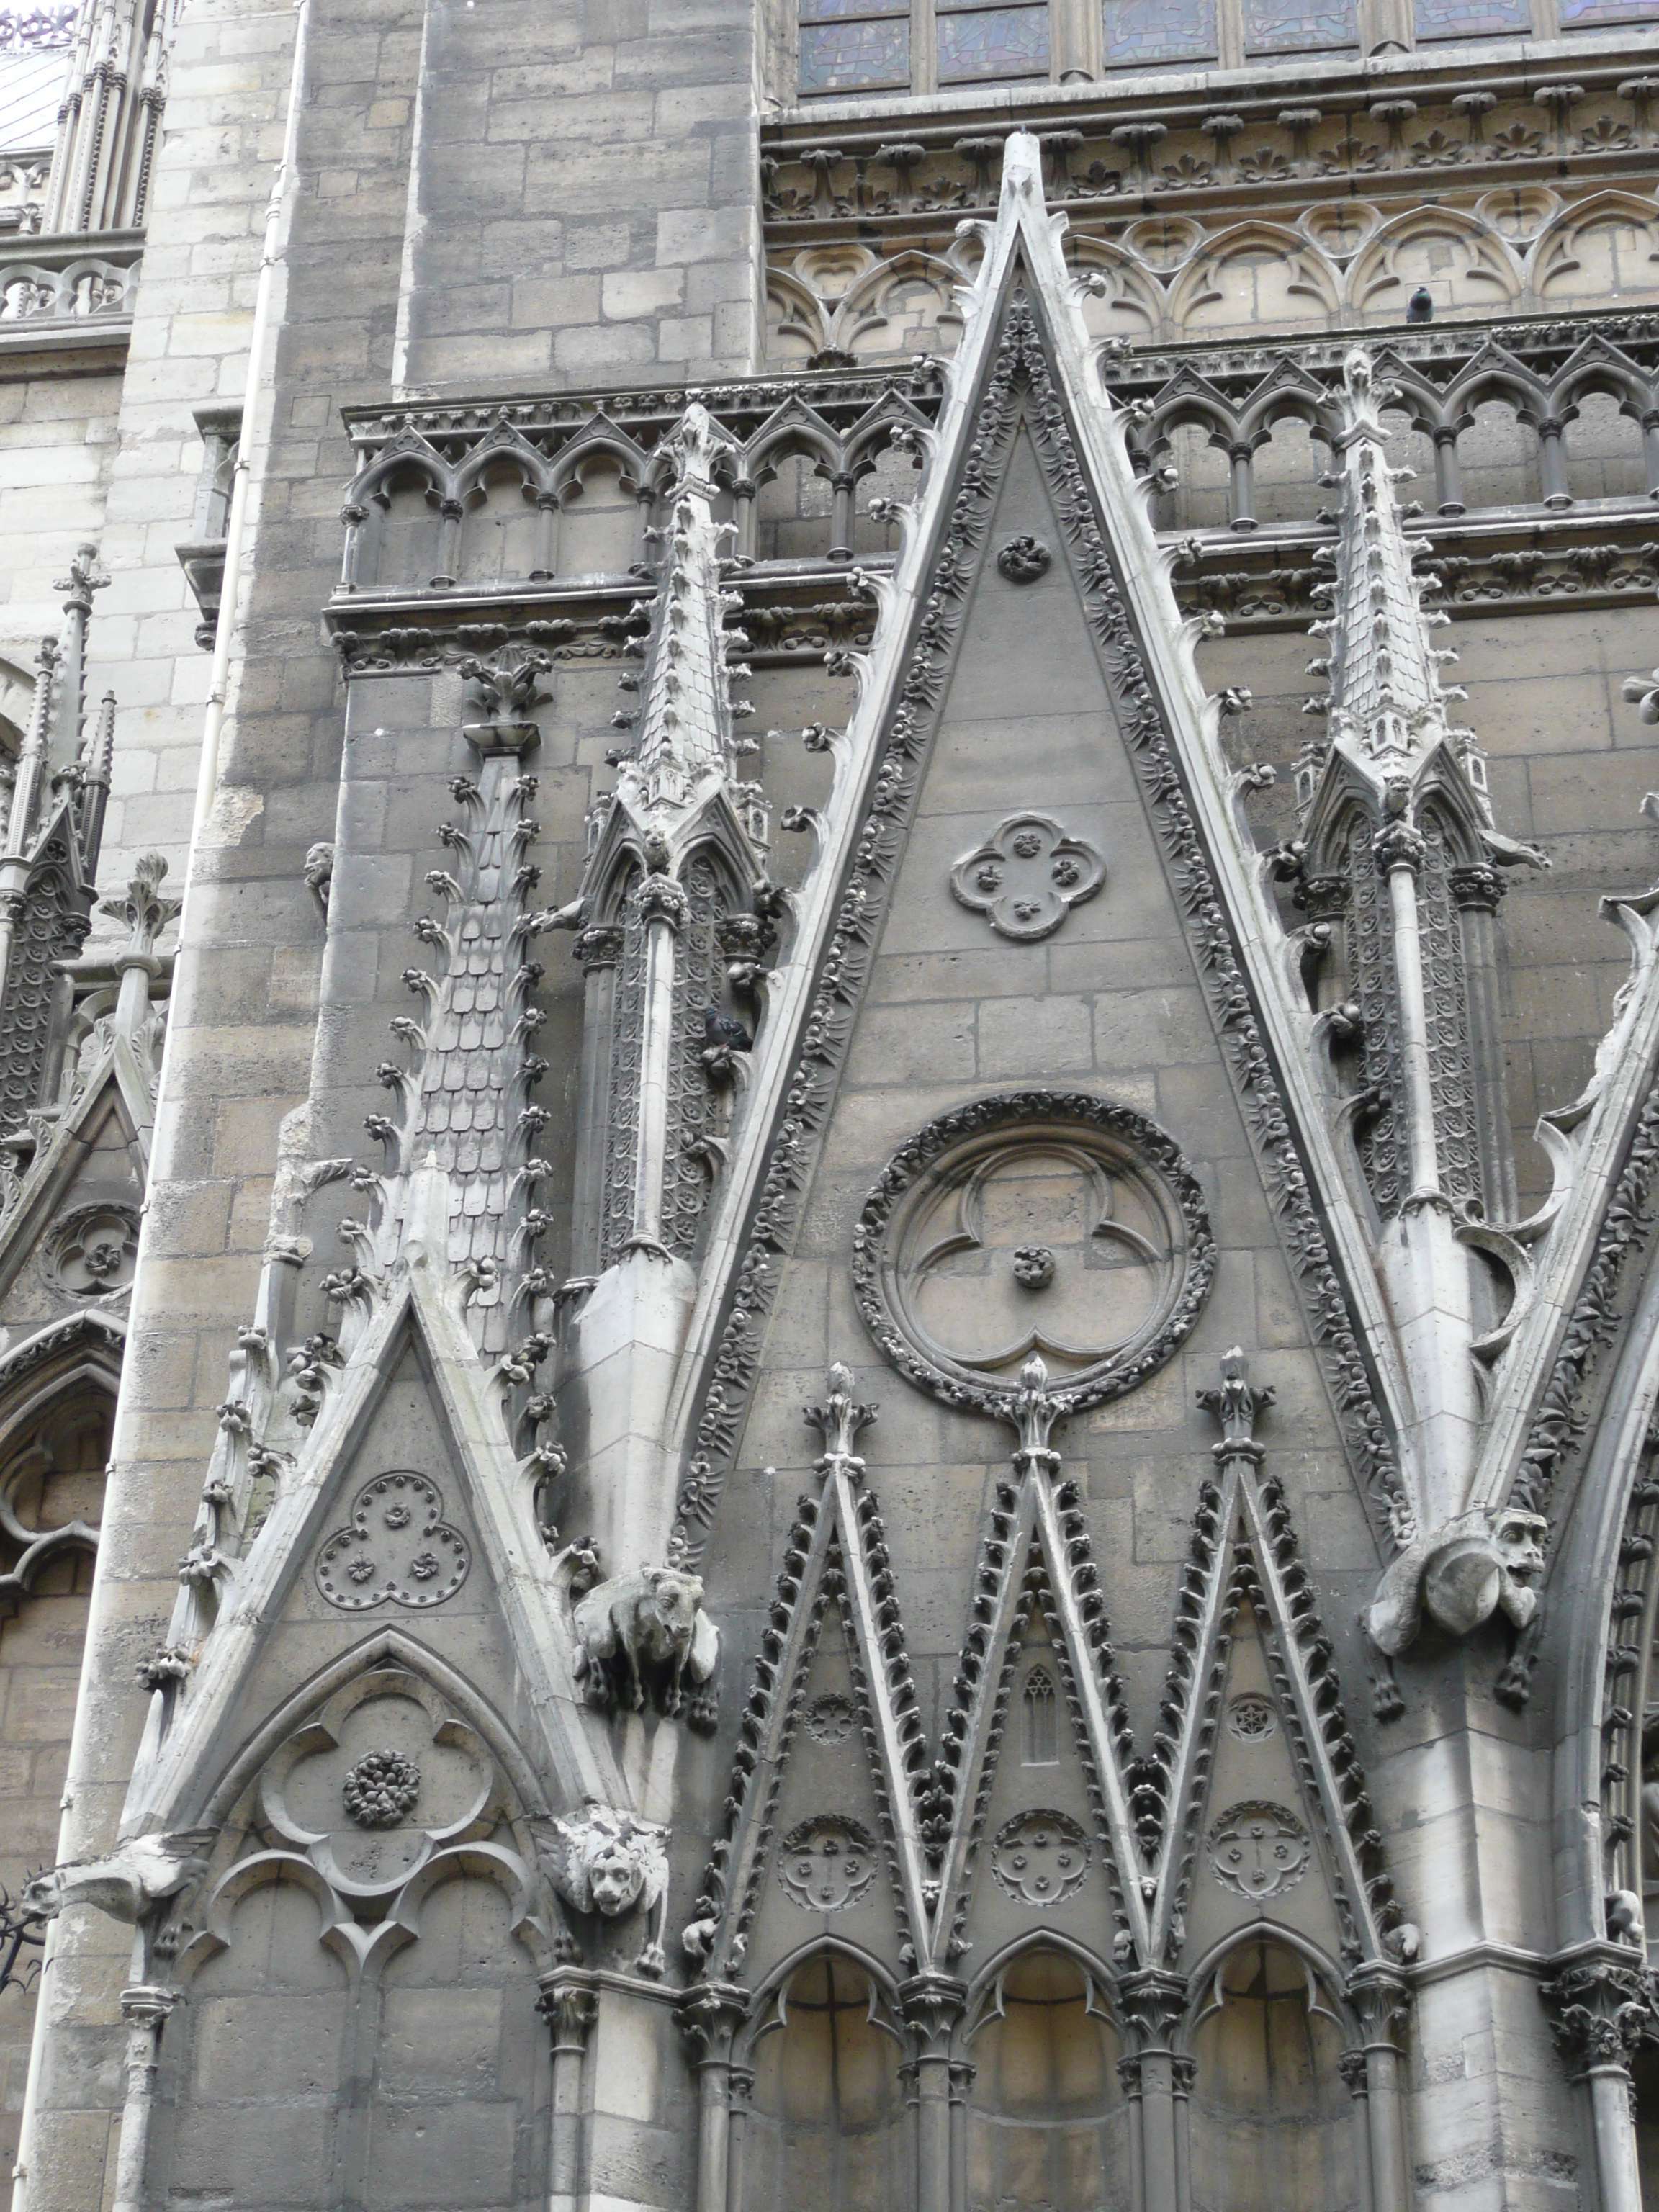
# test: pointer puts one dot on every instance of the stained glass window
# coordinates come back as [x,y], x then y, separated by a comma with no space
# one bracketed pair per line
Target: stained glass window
[1472,19]
[850,46]
[1139,32]
[1272,27]
[979,42]
[1575,13]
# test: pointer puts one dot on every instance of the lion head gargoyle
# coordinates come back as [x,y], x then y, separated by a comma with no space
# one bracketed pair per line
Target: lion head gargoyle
[606,1862]
[1459,1574]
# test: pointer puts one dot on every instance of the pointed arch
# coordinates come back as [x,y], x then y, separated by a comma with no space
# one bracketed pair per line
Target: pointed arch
[1254,274]
[1393,261]
[1605,248]
[389,1647]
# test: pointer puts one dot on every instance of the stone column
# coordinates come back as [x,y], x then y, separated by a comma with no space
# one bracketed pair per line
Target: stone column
[1128,2074]
[570,2006]
[547,508]
[145,2008]
[1240,488]
[598,949]
[1553,459]
[740,2088]
[450,512]
[1649,422]
[1182,2074]
[1382,1998]
[1351,2067]
[1477,890]
[961,2081]
[663,909]
[1599,2002]
[1447,470]
[931,2005]
[1154,2001]
[710,2015]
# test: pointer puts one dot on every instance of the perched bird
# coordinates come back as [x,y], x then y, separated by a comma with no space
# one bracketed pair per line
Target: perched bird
[725,1030]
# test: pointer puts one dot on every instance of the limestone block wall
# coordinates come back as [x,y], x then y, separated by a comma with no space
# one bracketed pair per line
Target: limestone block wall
[58,448]
[582,203]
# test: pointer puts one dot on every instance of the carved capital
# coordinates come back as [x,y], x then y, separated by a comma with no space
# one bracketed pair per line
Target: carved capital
[1154,2000]
[709,2015]
[1382,1998]
[569,2006]
[600,946]
[1322,898]
[148,2005]
[1599,2006]
[1398,845]
[662,899]
[1351,2067]
[931,2005]
[1479,886]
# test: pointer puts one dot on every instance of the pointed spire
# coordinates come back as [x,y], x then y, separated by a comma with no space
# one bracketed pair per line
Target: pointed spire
[1386,704]
[685,713]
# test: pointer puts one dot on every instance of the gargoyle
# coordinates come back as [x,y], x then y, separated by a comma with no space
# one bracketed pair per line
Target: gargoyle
[606,1862]
[646,1630]
[1470,1567]
[138,1876]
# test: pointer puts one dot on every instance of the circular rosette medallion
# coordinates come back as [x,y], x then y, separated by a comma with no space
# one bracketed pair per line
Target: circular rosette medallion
[827,1864]
[1043,1222]
[1040,1858]
[1259,1849]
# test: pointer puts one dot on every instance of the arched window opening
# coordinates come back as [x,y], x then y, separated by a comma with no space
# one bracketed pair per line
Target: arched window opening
[793,510]
[600,531]
[1047,2122]
[1498,455]
[825,2132]
[1041,1720]
[1604,451]
[1272,2124]
[498,531]
[406,538]
[1287,472]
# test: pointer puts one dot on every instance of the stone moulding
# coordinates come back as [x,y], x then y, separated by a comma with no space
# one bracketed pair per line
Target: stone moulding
[1007,1125]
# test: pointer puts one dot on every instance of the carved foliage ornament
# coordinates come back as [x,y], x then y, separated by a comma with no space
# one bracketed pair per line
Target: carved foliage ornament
[827,1864]
[1041,1221]
[1040,1858]
[396,1547]
[1027,876]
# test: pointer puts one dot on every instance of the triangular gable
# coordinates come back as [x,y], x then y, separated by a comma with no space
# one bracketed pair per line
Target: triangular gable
[312,1425]
[1023,358]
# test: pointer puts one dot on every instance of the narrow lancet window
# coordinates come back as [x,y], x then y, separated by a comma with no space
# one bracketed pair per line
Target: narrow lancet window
[1041,1728]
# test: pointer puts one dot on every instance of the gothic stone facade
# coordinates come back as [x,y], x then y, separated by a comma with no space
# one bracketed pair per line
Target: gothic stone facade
[828,1356]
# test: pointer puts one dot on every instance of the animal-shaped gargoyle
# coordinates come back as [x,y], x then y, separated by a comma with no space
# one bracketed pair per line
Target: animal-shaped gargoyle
[643,1632]
[1470,1567]
[139,1875]
[606,1862]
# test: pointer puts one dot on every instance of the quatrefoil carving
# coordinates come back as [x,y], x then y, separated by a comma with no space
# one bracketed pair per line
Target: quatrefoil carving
[1027,876]
[395,1547]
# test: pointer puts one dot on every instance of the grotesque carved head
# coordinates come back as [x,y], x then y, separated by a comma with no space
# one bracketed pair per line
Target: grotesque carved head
[615,1877]
[1519,1538]
[608,1863]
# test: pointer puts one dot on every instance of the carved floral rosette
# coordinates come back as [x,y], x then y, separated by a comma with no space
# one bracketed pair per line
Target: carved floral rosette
[900,1240]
